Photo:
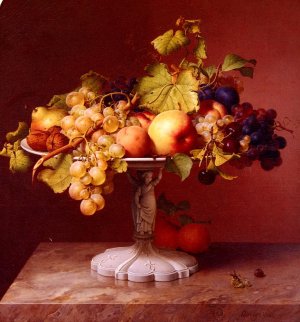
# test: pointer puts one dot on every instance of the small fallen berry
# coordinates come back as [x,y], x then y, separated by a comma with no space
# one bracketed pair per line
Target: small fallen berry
[259,273]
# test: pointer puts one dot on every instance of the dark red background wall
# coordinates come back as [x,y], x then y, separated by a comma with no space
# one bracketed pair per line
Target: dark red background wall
[47,45]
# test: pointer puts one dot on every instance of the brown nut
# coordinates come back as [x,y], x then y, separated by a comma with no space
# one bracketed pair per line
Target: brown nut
[55,141]
[37,140]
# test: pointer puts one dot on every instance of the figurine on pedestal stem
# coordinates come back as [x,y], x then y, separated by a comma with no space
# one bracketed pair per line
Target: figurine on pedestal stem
[144,201]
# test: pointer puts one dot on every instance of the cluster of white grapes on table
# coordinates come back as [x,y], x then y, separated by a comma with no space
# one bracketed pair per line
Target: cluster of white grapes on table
[98,157]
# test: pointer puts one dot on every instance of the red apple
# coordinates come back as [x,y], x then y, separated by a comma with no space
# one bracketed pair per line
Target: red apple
[135,140]
[212,107]
[172,132]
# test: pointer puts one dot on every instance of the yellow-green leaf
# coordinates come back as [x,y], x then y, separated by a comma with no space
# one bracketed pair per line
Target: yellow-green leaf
[20,133]
[225,175]
[200,50]
[170,42]
[232,61]
[59,101]
[93,81]
[158,92]
[198,153]
[57,175]
[192,26]
[220,156]
[19,161]
[210,70]
[180,164]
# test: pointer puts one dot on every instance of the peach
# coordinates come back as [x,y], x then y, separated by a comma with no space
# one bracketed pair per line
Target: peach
[172,132]
[212,107]
[135,140]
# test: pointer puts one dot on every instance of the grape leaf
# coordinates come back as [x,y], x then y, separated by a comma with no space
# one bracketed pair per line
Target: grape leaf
[19,161]
[198,153]
[59,101]
[247,71]
[185,219]
[200,50]
[93,81]
[225,175]
[170,42]
[235,62]
[192,26]
[220,156]
[158,93]
[180,164]
[210,70]
[57,176]
[20,133]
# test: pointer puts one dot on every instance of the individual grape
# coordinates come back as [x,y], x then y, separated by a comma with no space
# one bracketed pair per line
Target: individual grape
[247,129]
[78,110]
[99,200]
[110,123]
[116,150]
[256,137]
[95,136]
[74,98]
[83,124]
[228,119]
[108,111]
[271,114]
[75,190]
[122,105]
[210,118]
[247,108]
[90,96]
[84,194]
[247,138]
[108,188]
[200,127]
[84,90]
[97,117]
[88,207]
[267,164]
[206,135]
[230,145]
[102,164]
[207,177]
[281,142]
[98,176]
[253,153]
[86,179]
[105,141]
[67,123]
[77,169]
[220,123]
[73,133]
[96,190]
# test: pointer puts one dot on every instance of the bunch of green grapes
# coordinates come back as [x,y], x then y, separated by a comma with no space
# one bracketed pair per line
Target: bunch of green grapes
[98,157]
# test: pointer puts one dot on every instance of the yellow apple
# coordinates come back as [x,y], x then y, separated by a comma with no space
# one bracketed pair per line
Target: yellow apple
[42,118]
[135,140]
[172,132]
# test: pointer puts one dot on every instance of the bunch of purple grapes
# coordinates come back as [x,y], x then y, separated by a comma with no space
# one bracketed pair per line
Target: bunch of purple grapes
[119,85]
[260,125]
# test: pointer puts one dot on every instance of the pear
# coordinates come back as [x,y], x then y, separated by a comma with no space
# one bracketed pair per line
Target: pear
[42,118]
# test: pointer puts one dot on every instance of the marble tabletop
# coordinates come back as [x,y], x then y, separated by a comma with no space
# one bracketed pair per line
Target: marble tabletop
[56,284]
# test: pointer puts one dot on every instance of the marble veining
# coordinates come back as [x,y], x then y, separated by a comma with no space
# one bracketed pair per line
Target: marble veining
[57,282]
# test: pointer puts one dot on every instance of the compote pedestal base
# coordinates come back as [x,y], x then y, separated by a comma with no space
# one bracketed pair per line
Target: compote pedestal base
[143,262]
